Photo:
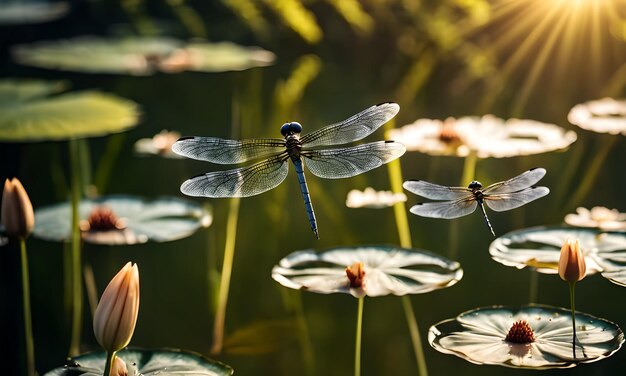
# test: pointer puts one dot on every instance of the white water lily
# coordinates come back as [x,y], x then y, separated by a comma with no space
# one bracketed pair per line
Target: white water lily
[540,248]
[487,137]
[482,336]
[118,219]
[160,144]
[373,199]
[606,115]
[386,270]
[598,217]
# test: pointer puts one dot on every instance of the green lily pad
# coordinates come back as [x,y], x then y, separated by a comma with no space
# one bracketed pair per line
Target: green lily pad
[28,114]
[131,220]
[21,12]
[166,362]
[140,55]
[91,54]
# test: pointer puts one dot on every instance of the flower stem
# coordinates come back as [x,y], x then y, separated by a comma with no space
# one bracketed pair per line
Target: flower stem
[227,268]
[109,363]
[77,293]
[28,322]
[404,234]
[357,344]
[571,302]
[415,336]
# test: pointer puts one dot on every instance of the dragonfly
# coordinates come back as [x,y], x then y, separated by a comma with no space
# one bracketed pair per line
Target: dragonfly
[460,201]
[307,150]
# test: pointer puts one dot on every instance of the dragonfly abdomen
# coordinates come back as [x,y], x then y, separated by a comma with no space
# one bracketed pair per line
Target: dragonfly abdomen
[305,195]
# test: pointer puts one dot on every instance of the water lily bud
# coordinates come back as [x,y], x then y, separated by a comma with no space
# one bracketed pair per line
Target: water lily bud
[116,315]
[17,214]
[572,266]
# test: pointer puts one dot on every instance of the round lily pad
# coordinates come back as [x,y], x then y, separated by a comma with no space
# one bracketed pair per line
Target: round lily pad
[540,248]
[28,114]
[121,219]
[164,362]
[140,55]
[387,270]
[18,12]
[480,336]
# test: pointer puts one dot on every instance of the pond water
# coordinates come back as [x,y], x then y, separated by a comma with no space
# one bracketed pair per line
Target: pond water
[404,59]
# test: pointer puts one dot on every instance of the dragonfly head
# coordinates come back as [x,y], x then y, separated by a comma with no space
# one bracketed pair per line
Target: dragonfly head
[290,128]
[475,185]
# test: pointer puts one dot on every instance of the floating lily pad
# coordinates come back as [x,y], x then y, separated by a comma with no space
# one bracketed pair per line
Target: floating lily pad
[606,115]
[140,55]
[91,54]
[123,220]
[478,336]
[387,270]
[30,12]
[540,248]
[167,362]
[28,114]
[217,57]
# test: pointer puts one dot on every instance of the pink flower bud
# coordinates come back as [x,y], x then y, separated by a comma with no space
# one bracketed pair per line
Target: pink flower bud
[116,314]
[17,214]
[572,266]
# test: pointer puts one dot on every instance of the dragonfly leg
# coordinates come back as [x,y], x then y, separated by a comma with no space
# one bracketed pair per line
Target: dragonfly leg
[306,196]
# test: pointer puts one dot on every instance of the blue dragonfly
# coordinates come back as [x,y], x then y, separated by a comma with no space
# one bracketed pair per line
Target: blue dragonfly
[461,201]
[310,150]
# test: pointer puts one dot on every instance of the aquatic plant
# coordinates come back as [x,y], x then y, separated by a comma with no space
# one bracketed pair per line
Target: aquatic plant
[535,337]
[366,271]
[606,115]
[597,217]
[373,199]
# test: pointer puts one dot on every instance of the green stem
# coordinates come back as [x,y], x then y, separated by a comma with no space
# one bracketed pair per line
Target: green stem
[533,285]
[571,302]
[77,293]
[28,321]
[357,345]
[109,363]
[415,336]
[227,268]
[90,287]
[404,234]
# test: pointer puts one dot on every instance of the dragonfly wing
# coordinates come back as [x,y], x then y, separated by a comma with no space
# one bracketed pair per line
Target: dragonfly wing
[521,181]
[435,191]
[446,210]
[241,182]
[351,161]
[354,128]
[218,150]
[508,201]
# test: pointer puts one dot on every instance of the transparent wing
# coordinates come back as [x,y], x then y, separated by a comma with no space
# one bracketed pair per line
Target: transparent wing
[435,191]
[354,128]
[508,201]
[351,161]
[218,150]
[240,182]
[521,181]
[447,210]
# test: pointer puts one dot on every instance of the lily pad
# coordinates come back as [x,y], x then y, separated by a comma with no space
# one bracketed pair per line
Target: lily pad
[121,219]
[480,336]
[387,270]
[140,55]
[92,54]
[166,362]
[27,114]
[540,247]
[31,12]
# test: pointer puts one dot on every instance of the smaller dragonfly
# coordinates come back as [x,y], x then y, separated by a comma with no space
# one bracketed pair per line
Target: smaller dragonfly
[460,201]
[309,150]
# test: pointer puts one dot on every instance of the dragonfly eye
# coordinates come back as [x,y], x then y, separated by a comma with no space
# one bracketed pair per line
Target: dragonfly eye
[284,130]
[296,127]
[475,185]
